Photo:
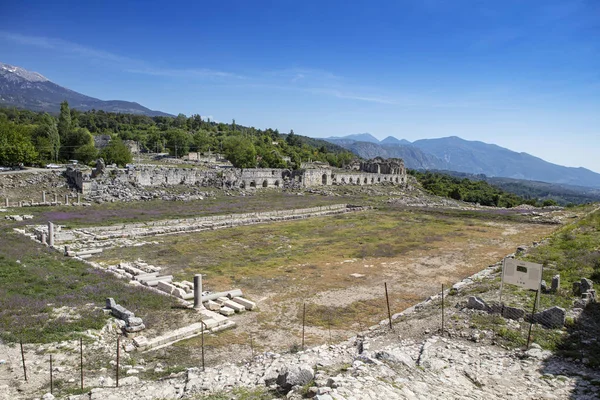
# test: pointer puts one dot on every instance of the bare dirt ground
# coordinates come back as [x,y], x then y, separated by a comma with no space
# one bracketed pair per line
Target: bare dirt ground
[344,294]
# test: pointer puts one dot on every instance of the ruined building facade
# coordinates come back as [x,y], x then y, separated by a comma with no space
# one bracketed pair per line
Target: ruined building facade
[371,172]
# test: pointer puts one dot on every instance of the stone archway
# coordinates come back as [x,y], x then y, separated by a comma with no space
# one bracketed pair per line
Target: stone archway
[324,179]
[265,183]
[276,183]
[252,184]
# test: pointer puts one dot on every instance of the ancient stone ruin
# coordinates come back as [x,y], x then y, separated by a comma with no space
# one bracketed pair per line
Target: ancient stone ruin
[129,322]
[372,172]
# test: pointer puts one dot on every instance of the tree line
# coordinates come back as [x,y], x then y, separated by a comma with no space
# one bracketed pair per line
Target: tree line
[30,137]
[472,191]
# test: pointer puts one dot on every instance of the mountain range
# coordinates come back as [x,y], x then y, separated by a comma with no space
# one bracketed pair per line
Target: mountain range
[32,91]
[473,157]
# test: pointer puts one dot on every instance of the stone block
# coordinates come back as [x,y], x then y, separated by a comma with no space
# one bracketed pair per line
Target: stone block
[226,311]
[222,300]
[212,305]
[495,308]
[476,303]
[134,321]
[249,305]
[140,341]
[121,312]
[555,283]
[165,287]
[234,306]
[294,376]
[110,303]
[513,313]
[552,318]
[133,329]
[586,284]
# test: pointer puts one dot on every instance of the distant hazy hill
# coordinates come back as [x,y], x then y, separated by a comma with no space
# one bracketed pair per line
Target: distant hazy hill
[29,90]
[390,140]
[358,137]
[456,154]
[562,194]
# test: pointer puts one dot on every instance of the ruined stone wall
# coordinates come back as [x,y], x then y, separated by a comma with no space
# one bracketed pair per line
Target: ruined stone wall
[378,165]
[238,178]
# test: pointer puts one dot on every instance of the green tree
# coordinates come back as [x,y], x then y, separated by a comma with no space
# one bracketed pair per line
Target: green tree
[86,153]
[178,142]
[240,152]
[64,120]
[15,144]
[76,138]
[116,153]
[46,139]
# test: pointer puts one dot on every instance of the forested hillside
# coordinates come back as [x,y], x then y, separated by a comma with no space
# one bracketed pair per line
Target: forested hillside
[472,191]
[38,138]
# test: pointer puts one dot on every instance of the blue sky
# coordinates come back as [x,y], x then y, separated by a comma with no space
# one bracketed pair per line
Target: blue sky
[521,74]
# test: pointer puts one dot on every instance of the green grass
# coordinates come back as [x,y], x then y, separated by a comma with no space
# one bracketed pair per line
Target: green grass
[35,280]
[573,252]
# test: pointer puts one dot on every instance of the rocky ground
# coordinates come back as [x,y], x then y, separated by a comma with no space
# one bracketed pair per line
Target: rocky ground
[413,360]
[28,185]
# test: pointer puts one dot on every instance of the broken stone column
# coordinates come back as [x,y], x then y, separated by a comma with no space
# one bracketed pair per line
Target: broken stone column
[78,198]
[44,238]
[44,197]
[198,291]
[55,198]
[66,199]
[6,202]
[50,234]
[555,283]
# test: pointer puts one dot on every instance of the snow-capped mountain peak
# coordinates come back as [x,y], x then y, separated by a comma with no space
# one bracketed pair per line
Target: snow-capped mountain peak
[18,72]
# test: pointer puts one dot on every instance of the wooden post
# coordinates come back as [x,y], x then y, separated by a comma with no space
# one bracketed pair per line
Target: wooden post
[51,382]
[23,358]
[81,359]
[387,299]
[303,324]
[118,352]
[537,292]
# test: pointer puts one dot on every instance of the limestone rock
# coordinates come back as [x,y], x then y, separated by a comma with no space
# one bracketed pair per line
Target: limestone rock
[552,318]
[476,303]
[586,285]
[297,375]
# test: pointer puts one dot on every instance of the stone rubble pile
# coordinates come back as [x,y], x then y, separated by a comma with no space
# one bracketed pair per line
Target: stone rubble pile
[553,317]
[111,190]
[586,290]
[361,369]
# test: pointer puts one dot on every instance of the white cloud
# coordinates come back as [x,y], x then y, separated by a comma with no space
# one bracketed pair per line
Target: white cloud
[127,64]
